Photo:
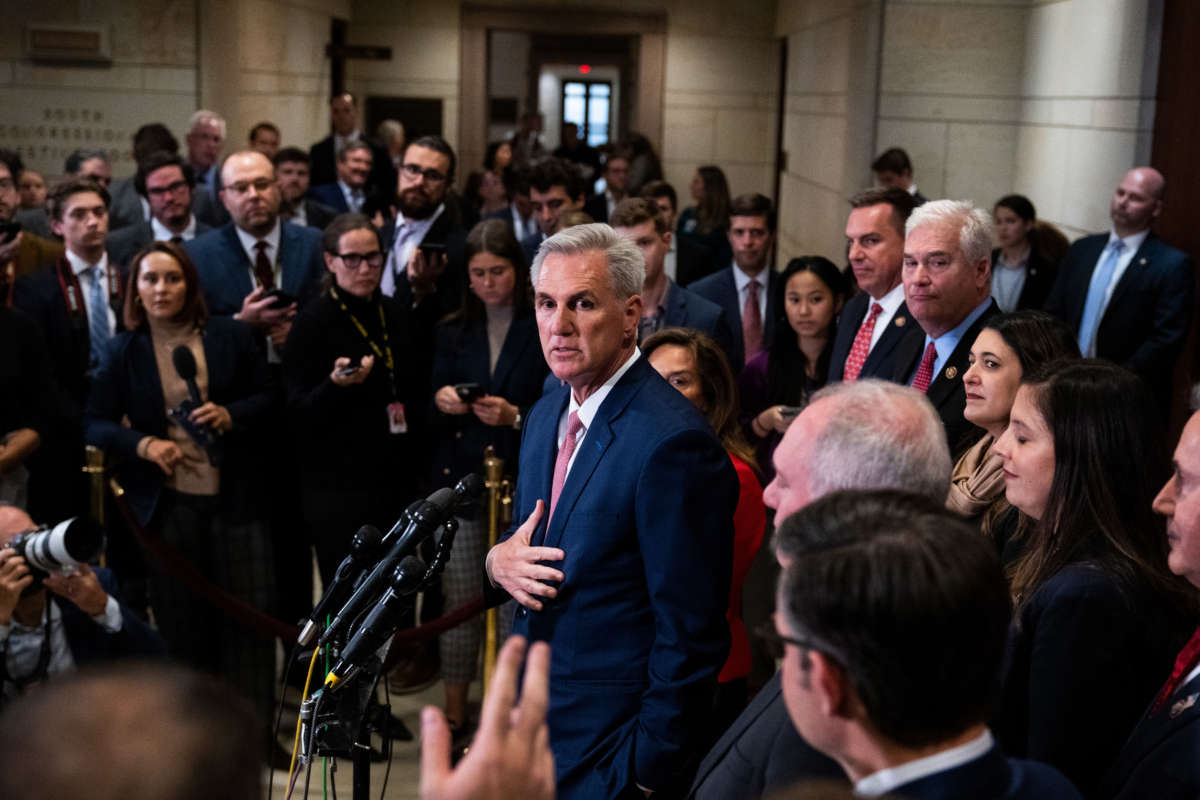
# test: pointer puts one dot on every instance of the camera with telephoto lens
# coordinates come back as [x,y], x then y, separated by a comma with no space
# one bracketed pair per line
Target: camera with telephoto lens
[58,548]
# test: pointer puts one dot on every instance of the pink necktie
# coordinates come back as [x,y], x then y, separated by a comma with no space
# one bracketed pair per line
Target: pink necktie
[862,345]
[752,327]
[563,460]
[925,371]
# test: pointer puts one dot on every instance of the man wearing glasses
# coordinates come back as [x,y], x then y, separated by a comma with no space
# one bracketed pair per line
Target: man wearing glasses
[166,182]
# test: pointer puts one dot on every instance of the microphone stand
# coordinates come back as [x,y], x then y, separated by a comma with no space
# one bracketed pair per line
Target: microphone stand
[333,721]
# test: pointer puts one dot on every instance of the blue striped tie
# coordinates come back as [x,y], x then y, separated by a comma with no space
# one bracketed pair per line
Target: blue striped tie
[97,316]
[1093,308]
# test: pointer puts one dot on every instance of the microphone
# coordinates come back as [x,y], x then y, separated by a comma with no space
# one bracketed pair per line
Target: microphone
[381,623]
[364,547]
[185,365]
[423,518]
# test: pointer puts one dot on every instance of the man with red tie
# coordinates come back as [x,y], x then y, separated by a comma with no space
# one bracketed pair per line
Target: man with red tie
[947,276]
[875,320]
[1161,759]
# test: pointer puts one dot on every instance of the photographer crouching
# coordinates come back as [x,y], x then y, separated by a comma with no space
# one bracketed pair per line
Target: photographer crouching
[78,622]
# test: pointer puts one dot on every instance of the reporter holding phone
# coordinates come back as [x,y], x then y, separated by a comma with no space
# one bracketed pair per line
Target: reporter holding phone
[490,342]
[210,515]
[777,383]
[347,366]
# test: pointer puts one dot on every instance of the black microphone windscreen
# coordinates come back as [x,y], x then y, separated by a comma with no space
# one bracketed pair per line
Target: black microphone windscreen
[185,362]
[470,487]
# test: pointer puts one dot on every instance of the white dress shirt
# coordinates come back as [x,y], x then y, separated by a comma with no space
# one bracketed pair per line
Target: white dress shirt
[164,234]
[588,408]
[887,780]
[890,303]
[409,233]
[354,197]
[85,277]
[24,644]
[742,281]
[272,239]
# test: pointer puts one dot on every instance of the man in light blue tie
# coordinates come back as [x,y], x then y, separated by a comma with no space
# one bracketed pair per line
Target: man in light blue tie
[1127,294]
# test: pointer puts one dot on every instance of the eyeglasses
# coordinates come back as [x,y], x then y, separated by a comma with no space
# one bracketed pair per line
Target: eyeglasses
[374,259]
[261,186]
[174,188]
[430,175]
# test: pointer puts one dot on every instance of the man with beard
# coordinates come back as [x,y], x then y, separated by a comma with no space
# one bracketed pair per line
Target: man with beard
[166,182]
[296,207]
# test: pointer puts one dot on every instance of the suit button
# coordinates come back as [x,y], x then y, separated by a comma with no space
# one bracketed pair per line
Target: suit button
[522,612]
[446,471]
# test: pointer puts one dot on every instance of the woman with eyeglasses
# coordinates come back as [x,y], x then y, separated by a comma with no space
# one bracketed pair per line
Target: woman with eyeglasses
[488,369]
[349,397]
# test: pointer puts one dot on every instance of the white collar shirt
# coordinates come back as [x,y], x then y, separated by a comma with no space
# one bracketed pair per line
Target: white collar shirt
[588,408]
[892,778]
[85,276]
[408,234]
[742,281]
[890,303]
[164,234]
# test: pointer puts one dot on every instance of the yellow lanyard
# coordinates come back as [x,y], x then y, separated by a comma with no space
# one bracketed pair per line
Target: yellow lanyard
[386,352]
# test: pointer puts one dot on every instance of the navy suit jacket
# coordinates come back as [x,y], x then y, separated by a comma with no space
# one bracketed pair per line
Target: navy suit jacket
[461,356]
[1161,759]
[225,268]
[761,753]
[330,194]
[638,629]
[946,391]
[880,361]
[91,643]
[596,207]
[721,289]
[991,777]
[128,384]
[1147,318]
[686,309]
[124,244]
[323,166]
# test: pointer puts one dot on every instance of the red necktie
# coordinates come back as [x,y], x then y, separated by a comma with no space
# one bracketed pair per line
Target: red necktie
[263,269]
[563,461]
[925,371]
[862,345]
[752,327]
[1185,662]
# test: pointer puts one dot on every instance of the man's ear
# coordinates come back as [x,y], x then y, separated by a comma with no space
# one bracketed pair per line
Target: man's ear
[57,227]
[831,686]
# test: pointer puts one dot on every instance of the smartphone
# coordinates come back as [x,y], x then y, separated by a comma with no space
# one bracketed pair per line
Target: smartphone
[279,298]
[346,372]
[468,392]
[431,249]
[790,412]
[9,231]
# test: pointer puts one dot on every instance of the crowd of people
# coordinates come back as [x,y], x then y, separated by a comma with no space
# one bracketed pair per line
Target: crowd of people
[947,442]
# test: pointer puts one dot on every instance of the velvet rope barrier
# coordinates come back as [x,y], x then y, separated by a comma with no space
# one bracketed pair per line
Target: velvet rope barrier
[254,619]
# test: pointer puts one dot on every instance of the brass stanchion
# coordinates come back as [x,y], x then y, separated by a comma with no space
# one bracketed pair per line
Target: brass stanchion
[93,466]
[499,500]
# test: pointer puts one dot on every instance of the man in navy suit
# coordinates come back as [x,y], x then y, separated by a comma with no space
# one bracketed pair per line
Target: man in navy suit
[1127,294]
[894,617]
[874,320]
[241,261]
[1160,758]
[622,561]
[749,283]
[86,623]
[665,304]
[616,184]
[349,192]
[947,276]
[166,182]
[343,119]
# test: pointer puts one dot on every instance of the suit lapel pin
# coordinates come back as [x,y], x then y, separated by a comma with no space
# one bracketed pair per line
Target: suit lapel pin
[1183,705]
[951,373]
[900,322]
[1142,261]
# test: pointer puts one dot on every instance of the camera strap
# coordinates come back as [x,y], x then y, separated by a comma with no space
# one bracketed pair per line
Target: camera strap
[384,353]
[68,284]
[43,663]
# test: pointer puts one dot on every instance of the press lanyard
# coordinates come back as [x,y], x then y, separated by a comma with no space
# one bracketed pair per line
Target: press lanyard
[386,352]
[68,284]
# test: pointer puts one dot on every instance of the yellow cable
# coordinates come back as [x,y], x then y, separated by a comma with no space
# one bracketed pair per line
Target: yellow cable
[303,697]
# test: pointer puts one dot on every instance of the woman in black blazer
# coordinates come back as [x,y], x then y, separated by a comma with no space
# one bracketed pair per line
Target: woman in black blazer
[202,502]
[350,396]
[1023,271]
[1099,617]
[491,342]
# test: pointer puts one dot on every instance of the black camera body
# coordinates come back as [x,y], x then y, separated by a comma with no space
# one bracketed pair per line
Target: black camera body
[201,434]
[58,548]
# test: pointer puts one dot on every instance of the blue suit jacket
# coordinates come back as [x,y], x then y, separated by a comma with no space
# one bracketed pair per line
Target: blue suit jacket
[686,309]
[721,289]
[880,361]
[1162,757]
[124,244]
[91,643]
[225,268]
[1147,318]
[991,777]
[331,195]
[638,629]
[128,384]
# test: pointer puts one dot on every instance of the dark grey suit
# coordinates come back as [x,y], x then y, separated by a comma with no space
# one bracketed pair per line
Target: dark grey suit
[124,244]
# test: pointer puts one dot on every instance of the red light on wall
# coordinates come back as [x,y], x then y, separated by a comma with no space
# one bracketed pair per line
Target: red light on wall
[584,69]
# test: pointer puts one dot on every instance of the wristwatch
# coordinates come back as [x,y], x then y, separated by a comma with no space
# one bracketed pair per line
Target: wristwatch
[517,422]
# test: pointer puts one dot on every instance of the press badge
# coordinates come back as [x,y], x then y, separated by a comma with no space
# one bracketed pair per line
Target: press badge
[396,421]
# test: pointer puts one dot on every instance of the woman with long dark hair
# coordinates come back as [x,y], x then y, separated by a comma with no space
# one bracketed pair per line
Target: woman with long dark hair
[1099,617]
[707,222]
[777,382]
[696,365]
[200,498]
[488,369]
[1008,347]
